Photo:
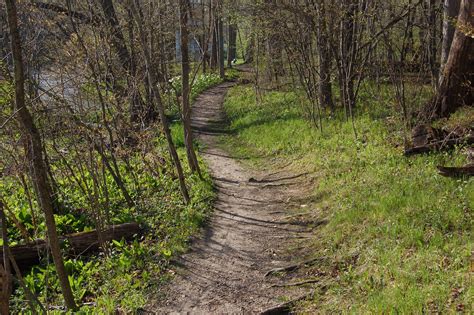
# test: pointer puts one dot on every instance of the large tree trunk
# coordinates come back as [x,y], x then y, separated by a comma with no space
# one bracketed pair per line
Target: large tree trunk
[188,135]
[34,150]
[451,11]
[456,82]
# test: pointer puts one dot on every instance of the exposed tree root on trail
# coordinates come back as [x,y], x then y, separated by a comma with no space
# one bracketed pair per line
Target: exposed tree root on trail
[295,284]
[293,267]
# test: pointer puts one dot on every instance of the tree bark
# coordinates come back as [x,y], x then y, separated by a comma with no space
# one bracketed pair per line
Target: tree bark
[220,39]
[432,33]
[35,154]
[456,82]
[118,42]
[188,135]
[157,96]
[232,46]
[451,11]
[213,31]
[325,88]
[347,55]
[6,276]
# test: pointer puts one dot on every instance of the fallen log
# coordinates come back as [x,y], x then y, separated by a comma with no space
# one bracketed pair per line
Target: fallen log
[439,145]
[456,172]
[75,244]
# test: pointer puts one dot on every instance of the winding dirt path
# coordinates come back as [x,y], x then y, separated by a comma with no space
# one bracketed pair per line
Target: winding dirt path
[248,233]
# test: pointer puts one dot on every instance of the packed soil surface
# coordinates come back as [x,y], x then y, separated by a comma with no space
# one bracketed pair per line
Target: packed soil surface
[248,234]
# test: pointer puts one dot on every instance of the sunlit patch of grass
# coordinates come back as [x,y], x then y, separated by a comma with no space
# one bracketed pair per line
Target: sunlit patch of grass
[398,234]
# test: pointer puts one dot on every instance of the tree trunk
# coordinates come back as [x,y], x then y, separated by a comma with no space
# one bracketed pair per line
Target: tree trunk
[6,276]
[220,39]
[35,155]
[232,46]
[432,33]
[451,11]
[188,135]
[157,96]
[325,88]
[213,31]
[125,58]
[347,55]
[250,49]
[455,88]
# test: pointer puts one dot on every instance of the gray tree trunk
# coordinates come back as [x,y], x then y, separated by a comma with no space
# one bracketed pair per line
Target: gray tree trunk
[455,88]
[451,11]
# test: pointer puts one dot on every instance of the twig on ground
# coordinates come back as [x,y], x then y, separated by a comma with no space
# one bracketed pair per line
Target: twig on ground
[294,284]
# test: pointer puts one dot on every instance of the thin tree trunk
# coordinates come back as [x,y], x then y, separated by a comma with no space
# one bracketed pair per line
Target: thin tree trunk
[220,39]
[188,135]
[35,155]
[432,53]
[213,30]
[232,46]
[204,39]
[6,284]
[161,109]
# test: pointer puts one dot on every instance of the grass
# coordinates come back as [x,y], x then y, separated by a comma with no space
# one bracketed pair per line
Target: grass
[398,235]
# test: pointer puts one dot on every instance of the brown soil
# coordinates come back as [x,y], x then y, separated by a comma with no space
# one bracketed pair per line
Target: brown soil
[247,235]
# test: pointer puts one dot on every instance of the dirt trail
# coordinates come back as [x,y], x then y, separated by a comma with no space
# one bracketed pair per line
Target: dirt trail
[247,235]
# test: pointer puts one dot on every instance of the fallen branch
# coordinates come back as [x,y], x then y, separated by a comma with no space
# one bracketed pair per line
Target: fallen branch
[77,243]
[456,172]
[293,267]
[439,145]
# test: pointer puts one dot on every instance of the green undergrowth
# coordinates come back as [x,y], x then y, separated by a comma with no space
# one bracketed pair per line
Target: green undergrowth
[396,236]
[124,276]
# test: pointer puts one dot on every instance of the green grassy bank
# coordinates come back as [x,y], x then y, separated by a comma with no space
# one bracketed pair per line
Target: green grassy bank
[398,236]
